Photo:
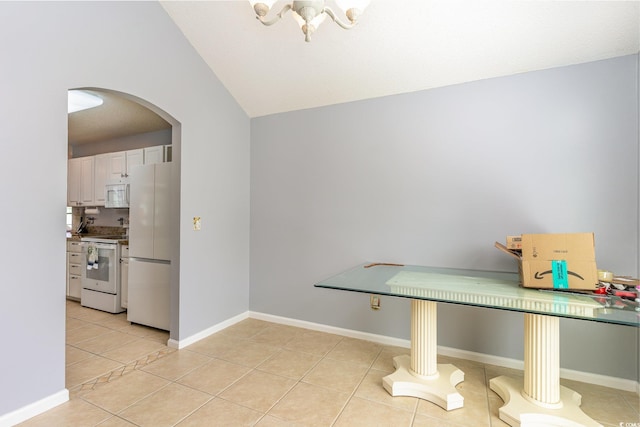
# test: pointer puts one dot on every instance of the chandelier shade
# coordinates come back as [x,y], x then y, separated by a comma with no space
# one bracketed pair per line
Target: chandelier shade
[311,13]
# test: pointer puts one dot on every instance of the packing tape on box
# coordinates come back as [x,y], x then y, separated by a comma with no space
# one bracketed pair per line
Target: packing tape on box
[559,272]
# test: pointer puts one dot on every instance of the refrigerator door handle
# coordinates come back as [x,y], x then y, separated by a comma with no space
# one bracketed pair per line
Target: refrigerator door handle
[155,261]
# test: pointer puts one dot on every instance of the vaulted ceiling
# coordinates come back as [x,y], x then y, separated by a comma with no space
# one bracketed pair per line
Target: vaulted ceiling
[399,46]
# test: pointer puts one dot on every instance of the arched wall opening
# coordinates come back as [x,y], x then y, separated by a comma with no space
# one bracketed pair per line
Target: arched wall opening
[105,142]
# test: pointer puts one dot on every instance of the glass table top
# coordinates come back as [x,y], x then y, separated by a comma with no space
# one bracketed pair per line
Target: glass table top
[498,290]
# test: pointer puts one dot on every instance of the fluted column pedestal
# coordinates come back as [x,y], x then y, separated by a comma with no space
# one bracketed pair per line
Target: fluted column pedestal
[419,375]
[540,399]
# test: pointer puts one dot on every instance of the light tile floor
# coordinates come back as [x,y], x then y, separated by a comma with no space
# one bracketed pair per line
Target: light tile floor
[265,374]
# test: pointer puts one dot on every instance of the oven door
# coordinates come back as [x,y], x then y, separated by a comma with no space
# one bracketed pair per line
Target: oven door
[100,271]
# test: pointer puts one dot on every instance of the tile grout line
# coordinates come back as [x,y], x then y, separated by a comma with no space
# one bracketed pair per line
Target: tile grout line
[297,382]
[190,413]
[355,389]
[217,395]
[488,393]
[415,412]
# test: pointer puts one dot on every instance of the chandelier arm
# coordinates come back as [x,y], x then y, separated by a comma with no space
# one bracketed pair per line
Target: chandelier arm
[277,17]
[333,16]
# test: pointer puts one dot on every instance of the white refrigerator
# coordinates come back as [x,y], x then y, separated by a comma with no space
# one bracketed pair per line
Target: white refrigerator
[149,247]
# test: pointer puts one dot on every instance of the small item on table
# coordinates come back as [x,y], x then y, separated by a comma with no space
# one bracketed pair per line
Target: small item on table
[605,276]
[625,280]
[374,264]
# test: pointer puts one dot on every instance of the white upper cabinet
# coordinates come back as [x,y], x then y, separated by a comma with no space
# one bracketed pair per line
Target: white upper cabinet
[80,183]
[73,182]
[134,158]
[117,165]
[154,155]
[121,163]
[108,167]
[100,176]
[87,176]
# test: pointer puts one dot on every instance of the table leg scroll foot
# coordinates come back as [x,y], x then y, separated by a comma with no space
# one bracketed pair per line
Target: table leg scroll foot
[519,410]
[440,390]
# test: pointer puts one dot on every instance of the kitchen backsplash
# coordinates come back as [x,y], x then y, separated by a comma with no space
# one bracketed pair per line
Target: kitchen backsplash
[107,221]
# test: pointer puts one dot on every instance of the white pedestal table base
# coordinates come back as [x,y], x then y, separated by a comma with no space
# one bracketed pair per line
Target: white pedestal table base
[520,411]
[419,375]
[440,390]
[539,399]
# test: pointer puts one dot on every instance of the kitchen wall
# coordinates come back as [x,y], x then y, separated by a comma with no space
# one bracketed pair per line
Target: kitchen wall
[435,178]
[132,142]
[132,48]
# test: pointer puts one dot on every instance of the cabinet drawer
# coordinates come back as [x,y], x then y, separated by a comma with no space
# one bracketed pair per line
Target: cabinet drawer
[75,270]
[74,246]
[75,286]
[75,258]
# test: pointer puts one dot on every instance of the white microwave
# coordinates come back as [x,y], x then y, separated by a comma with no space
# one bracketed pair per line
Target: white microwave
[116,194]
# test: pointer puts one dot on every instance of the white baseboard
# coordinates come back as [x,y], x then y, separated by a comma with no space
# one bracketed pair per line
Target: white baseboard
[569,374]
[205,333]
[33,409]
[380,339]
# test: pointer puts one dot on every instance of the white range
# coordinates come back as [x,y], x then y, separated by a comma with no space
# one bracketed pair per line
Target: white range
[101,273]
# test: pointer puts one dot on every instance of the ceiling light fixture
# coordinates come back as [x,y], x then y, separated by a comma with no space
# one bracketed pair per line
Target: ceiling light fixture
[79,100]
[310,14]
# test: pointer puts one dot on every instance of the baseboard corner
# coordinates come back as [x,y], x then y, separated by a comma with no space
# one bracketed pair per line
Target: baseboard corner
[182,343]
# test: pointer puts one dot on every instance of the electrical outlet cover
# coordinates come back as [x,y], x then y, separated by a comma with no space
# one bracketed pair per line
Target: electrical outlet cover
[375,301]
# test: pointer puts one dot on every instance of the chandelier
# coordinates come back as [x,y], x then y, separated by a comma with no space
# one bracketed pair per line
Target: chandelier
[311,13]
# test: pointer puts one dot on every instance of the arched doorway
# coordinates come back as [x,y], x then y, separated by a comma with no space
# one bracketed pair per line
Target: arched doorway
[99,342]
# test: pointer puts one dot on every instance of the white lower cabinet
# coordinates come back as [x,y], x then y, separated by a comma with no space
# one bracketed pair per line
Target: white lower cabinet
[75,264]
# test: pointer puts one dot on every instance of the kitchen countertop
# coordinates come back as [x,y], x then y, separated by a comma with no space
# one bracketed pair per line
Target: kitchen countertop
[77,237]
[101,231]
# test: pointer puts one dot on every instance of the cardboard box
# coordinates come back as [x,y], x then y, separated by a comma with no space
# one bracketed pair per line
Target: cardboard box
[514,243]
[556,261]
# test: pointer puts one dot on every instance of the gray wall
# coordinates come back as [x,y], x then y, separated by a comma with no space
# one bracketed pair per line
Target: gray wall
[133,48]
[434,178]
[427,178]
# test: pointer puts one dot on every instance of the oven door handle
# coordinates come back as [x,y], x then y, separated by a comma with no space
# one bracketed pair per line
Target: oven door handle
[108,246]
